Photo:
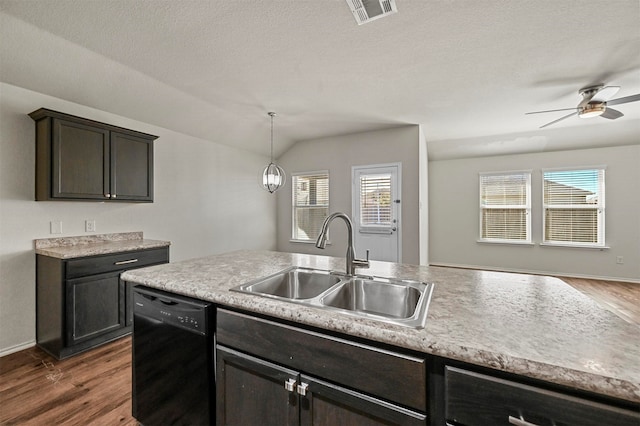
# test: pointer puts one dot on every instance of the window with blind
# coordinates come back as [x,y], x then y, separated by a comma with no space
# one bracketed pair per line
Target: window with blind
[310,204]
[574,207]
[505,207]
[375,200]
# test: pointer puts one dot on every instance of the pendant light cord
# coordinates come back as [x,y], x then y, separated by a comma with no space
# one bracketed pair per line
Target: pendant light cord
[272,114]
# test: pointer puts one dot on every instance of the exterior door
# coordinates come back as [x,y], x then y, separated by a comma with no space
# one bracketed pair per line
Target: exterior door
[377,211]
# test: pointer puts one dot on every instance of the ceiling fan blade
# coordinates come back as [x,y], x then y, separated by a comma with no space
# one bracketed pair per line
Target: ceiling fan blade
[625,100]
[611,114]
[550,110]
[559,119]
[605,93]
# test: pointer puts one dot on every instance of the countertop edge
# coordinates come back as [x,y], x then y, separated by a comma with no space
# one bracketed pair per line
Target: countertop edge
[96,249]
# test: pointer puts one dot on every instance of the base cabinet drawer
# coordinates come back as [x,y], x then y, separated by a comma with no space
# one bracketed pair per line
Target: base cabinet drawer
[473,399]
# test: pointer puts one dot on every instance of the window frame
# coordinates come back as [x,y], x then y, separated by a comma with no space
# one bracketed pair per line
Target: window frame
[294,207]
[526,207]
[601,210]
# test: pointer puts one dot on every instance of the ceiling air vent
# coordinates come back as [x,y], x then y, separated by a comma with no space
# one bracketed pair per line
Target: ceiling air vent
[368,10]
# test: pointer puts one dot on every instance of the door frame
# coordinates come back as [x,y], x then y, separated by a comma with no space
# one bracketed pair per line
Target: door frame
[397,207]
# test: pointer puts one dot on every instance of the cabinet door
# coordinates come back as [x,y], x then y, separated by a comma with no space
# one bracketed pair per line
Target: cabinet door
[323,403]
[131,167]
[250,391]
[94,306]
[80,160]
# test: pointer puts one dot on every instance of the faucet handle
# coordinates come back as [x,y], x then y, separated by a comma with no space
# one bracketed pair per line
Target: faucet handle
[362,263]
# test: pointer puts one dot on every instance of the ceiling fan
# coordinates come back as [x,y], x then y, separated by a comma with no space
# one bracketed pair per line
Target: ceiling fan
[595,102]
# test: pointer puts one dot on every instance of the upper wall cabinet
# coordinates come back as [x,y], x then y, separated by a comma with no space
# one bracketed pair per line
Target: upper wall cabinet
[81,159]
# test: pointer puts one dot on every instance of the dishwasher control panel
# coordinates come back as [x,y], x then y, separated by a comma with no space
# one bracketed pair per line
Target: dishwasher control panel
[179,311]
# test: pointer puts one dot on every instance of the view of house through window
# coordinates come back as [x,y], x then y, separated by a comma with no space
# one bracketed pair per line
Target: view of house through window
[375,200]
[310,204]
[574,206]
[505,204]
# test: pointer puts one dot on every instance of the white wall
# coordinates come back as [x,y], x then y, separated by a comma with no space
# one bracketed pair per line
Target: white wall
[454,223]
[208,200]
[338,154]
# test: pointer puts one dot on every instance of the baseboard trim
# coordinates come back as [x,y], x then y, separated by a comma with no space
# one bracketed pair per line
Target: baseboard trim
[530,272]
[17,348]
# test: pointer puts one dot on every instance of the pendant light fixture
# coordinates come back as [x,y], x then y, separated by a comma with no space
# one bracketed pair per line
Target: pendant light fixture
[273,176]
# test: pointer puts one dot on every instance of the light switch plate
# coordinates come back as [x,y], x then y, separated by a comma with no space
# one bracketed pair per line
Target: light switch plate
[55,226]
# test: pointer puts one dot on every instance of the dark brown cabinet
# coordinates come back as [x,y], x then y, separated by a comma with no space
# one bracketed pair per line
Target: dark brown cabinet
[474,399]
[252,390]
[82,302]
[81,159]
[281,374]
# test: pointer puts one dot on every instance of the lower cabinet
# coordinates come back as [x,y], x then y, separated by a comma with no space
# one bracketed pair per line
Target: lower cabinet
[474,399]
[268,372]
[251,391]
[82,302]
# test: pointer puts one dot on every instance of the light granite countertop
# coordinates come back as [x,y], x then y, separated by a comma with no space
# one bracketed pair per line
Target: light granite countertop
[534,326]
[93,245]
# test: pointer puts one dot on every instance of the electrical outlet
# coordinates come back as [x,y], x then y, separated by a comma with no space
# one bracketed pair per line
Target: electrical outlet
[90,225]
[55,227]
[619,260]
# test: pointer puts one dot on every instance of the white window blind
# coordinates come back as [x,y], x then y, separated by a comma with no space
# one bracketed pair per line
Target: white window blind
[375,200]
[310,204]
[505,206]
[574,206]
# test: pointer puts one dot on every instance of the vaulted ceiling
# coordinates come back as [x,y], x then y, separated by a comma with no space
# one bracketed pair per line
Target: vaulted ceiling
[465,70]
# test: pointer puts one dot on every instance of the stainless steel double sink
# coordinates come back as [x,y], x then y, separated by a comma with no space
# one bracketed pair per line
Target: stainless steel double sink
[392,301]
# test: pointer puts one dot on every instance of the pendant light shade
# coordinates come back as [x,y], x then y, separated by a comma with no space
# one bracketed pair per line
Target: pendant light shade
[273,177]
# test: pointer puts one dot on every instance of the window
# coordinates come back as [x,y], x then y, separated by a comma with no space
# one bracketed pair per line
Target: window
[574,207]
[375,200]
[505,205]
[310,204]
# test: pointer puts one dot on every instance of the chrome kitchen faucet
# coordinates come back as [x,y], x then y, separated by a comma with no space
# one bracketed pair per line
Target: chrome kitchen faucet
[352,262]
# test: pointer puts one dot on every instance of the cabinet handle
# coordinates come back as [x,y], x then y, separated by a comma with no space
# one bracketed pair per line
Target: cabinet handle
[125,262]
[114,196]
[107,195]
[302,389]
[290,385]
[520,422]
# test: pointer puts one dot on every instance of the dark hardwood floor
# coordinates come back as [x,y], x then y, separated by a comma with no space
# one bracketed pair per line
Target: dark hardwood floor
[94,388]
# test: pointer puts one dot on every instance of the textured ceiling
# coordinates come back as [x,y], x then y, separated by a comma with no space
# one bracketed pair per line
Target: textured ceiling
[466,70]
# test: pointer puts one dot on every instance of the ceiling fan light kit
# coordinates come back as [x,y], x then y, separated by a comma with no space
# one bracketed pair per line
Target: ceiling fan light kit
[596,101]
[594,109]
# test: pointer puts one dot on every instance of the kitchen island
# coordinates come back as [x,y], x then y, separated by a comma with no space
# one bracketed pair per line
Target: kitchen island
[536,327]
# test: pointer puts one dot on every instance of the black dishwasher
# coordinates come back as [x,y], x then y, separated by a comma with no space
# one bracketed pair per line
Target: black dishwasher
[173,347]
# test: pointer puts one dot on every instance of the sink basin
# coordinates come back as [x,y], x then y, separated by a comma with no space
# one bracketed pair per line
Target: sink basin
[393,300]
[293,283]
